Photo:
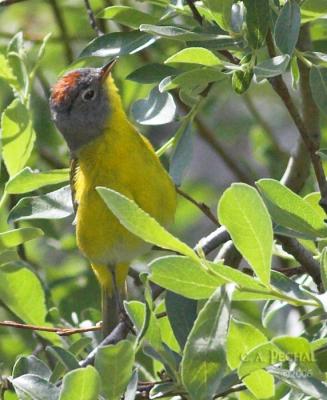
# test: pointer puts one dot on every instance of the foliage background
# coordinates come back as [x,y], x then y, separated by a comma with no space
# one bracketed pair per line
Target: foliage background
[233,137]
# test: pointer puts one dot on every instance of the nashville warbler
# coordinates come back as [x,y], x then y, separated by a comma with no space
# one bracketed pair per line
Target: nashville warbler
[107,150]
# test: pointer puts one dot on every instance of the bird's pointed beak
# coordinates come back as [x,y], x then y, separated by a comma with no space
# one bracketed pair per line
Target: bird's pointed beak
[106,69]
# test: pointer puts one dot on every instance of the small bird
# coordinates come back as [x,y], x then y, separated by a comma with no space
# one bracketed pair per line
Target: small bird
[107,150]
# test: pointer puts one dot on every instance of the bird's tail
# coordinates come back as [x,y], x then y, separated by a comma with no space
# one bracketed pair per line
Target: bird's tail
[111,293]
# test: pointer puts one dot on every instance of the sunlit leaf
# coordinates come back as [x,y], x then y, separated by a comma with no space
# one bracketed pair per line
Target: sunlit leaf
[18,136]
[80,384]
[117,360]
[140,223]
[204,360]
[127,16]
[28,180]
[246,218]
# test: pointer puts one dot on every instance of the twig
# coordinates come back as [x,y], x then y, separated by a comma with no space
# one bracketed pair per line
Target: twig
[303,256]
[92,18]
[201,206]
[61,331]
[63,29]
[312,146]
[229,254]
[196,15]
[212,241]
[298,168]
[236,388]
[119,333]
[290,245]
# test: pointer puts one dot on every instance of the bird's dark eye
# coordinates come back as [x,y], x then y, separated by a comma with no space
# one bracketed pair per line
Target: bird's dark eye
[88,94]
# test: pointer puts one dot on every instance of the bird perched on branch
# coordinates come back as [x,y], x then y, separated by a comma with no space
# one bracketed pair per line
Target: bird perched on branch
[107,150]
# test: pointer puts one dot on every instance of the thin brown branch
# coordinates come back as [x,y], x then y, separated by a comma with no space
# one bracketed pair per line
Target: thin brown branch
[312,146]
[92,18]
[61,331]
[196,15]
[298,168]
[201,206]
[59,18]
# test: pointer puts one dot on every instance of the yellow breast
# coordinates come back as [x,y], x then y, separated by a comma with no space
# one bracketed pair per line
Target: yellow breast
[120,159]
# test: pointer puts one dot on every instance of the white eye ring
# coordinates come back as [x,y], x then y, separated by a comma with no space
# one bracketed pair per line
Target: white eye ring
[88,95]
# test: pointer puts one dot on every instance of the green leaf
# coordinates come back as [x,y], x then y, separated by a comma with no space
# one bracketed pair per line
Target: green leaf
[260,357]
[242,338]
[194,55]
[261,384]
[182,154]
[240,278]
[158,109]
[257,21]
[289,288]
[176,33]
[323,264]
[81,384]
[304,384]
[246,218]
[18,136]
[195,80]
[117,44]
[152,73]
[131,390]
[30,386]
[53,205]
[221,12]
[116,360]
[273,67]
[290,210]
[318,84]
[297,349]
[28,180]
[204,361]
[65,357]
[220,42]
[127,16]
[287,27]
[6,72]
[241,80]
[312,9]
[22,293]
[31,365]
[182,313]
[184,276]
[142,224]
[18,236]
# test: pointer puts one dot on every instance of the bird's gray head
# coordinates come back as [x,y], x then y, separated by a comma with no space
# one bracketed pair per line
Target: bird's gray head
[80,105]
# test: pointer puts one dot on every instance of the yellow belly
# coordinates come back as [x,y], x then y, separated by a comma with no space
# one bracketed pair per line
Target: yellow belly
[124,161]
